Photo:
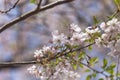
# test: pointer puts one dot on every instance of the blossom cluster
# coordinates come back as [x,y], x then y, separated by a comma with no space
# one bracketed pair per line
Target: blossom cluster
[59,41]
[62,69]
[60,44]
[107,34]
[110,36]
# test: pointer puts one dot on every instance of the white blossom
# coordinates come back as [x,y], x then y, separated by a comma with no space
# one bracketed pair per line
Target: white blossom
[38,53]
[33,69]
[79,38]
[98,41]
[90,30]
[114,53]
[84,36]
[46,49]
[75,28]
[109,37]
[38,72]
[103,26]
[59,38]
[112,22]
[63,70]
[105,37]
[115,48]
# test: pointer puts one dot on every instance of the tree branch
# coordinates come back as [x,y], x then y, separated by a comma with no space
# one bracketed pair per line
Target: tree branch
[11,64]
[6,11]
[39,3]
[33,12]
[14,64]
[35,62]
[100,72]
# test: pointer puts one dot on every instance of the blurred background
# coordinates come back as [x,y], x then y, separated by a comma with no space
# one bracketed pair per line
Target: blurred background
[19,42]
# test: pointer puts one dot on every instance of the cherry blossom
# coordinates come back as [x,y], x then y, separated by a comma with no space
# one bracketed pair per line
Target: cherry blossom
[106,35]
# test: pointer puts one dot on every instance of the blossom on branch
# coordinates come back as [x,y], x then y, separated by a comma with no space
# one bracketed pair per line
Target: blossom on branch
[60,58]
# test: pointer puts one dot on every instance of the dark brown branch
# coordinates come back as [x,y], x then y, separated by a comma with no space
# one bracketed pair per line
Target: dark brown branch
[78,49]
[33,12]
[6,11]
[15,64]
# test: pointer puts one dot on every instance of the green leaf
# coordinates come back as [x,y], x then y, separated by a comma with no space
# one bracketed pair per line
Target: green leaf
[113,65]
[81,65]
[101,79]
[87,70]
[117,2]
[118,74]
[94,75]
[75,46]
[81,55]
[93,60]
[110,71]
[32,1]
[75,66]
[105,62]
[90,48]
[95,20]
[88,77]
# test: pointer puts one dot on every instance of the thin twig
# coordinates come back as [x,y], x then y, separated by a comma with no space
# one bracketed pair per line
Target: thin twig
[6,11]
[33,12]
[114,14]
[78,49]
[101,72]
[39,3]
